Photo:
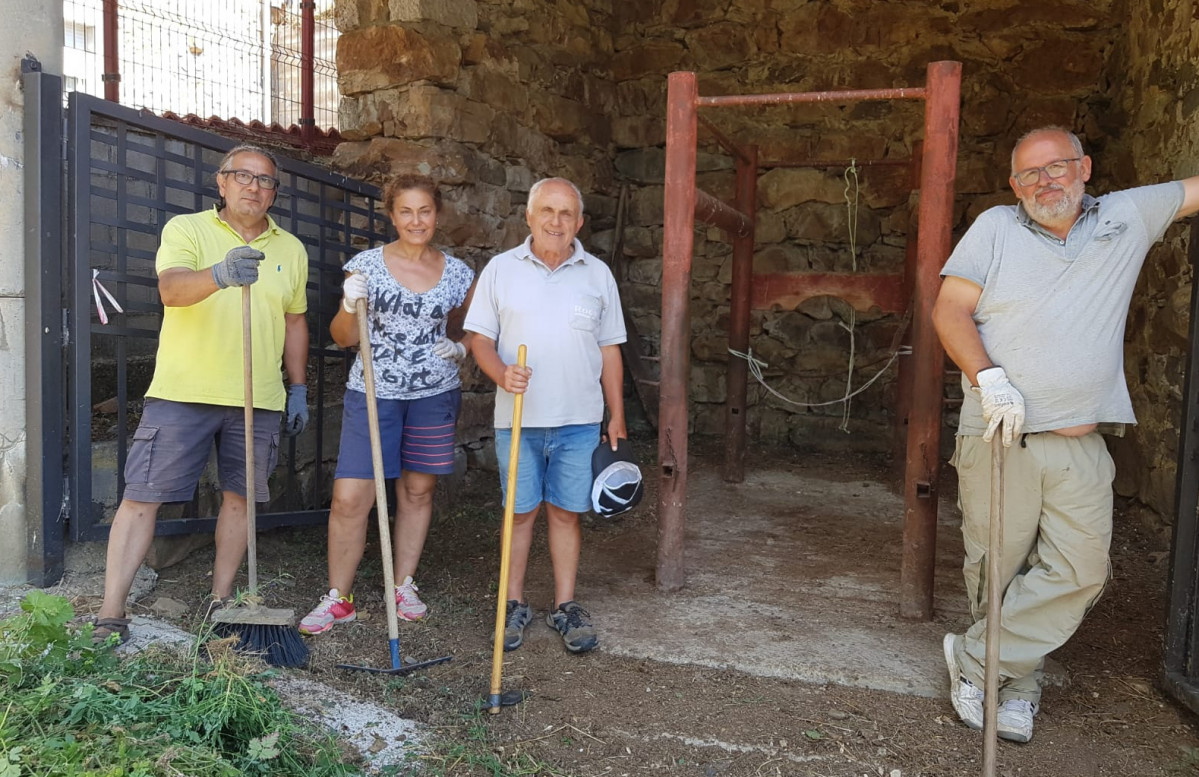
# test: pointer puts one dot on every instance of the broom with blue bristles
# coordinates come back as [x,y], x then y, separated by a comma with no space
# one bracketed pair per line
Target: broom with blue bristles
[264,632]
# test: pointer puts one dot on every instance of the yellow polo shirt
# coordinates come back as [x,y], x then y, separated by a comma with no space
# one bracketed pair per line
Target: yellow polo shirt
[200,346]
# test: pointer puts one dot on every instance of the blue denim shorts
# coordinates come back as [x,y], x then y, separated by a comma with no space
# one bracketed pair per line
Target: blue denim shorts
[172,444]
[554,466]
[417,435]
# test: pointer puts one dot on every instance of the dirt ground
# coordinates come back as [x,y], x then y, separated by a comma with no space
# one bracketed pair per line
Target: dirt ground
[614,713]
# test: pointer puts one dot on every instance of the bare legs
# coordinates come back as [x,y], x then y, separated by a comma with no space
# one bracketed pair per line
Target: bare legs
[133,531]
[128,542]
[564,540]
[414,492]
[352,502]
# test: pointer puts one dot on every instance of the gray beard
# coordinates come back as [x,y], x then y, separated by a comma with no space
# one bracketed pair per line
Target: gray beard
[1058,212]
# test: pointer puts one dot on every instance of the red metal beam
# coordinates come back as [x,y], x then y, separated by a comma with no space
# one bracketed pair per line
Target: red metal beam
[903,379]
[941,114]
[112,64]
[307,67]
[787,98]
[718,213]
[861,290]
[678,236]
[737,377]
[835,163]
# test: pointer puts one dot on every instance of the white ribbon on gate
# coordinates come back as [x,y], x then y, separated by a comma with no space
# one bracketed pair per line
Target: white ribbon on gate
[97,288]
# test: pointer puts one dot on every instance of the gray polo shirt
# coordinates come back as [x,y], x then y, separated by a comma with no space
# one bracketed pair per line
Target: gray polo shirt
[1052,311]
[564,316]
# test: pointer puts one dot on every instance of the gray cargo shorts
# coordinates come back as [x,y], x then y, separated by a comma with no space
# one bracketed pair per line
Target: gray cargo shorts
[174,440]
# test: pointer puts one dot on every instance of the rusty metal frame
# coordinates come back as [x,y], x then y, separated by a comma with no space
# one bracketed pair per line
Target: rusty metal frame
[683,204]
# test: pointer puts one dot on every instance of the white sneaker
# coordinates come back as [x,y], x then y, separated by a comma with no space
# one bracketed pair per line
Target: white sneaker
[408,605]
[1015,720]
[966,698]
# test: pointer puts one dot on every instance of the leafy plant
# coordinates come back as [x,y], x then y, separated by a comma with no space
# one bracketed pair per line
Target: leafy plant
[74,708]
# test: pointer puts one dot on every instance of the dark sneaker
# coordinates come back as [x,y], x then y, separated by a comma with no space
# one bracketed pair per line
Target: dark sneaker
[519,615]
[574,624]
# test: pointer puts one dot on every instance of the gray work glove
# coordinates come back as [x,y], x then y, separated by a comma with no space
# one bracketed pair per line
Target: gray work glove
[238,268]
[449,350]
[1001,402]
[296,417]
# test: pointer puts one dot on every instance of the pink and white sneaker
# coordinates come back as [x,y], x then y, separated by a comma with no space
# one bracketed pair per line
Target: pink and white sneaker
[409,607]
[334,608]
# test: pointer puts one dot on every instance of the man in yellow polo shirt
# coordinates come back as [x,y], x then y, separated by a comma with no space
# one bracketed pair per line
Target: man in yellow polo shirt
[197,394]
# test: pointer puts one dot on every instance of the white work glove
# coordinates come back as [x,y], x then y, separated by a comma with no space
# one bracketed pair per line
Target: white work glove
[449,350]
[1001,403]
[353,289]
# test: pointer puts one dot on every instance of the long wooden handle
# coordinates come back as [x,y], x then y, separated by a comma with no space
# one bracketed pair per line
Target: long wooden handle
[247,358]
[497,651]
[994,607]
[372,417]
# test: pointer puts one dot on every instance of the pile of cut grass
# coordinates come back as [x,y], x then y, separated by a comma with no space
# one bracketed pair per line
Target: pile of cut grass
[70,708]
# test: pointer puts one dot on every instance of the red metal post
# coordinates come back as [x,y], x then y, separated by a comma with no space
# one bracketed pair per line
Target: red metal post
[682,90]
[737,377]
[112,65]
[307,65]
[903,380]
[924,426]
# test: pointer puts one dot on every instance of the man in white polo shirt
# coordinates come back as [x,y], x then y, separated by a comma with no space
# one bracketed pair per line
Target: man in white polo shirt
[562,302]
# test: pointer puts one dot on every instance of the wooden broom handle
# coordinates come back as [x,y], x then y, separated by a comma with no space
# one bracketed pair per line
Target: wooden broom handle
[247,351]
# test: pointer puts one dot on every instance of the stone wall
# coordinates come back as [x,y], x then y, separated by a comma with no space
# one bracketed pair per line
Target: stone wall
[490,95]
[487,97]
[1153,83]
[1024,65]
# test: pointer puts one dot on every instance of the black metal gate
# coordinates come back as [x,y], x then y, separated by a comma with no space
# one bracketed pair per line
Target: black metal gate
[126,174]
[1181,669]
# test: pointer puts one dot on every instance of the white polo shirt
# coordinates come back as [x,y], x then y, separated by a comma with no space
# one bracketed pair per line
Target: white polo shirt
[564,316]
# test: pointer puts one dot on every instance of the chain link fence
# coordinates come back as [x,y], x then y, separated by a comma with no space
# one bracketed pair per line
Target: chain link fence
[223,58]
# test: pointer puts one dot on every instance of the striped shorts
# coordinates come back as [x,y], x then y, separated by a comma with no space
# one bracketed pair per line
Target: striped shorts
[417,435]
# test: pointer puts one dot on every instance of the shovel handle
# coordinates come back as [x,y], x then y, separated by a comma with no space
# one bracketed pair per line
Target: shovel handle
[497,651]
[994,607]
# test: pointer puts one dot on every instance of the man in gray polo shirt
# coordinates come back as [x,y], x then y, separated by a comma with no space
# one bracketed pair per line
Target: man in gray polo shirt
[562,302]
[1032,308]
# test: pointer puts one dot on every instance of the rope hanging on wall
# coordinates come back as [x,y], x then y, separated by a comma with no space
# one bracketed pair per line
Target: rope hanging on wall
[852,185]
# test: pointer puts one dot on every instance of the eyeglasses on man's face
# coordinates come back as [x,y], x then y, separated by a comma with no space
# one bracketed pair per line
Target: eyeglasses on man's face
[245,178]
[1053,170]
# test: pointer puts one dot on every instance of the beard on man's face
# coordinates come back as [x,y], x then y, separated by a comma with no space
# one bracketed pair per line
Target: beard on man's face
[1058,210]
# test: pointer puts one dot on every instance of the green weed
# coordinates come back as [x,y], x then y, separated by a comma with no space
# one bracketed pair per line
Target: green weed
[72,708]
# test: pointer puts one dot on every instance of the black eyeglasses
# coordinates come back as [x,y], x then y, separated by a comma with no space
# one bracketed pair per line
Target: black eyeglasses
[245,177]
[1053,170]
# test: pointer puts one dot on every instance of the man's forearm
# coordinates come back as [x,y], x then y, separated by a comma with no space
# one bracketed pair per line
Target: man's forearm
[488,359]
[612,381]
[179,287]
[295,349]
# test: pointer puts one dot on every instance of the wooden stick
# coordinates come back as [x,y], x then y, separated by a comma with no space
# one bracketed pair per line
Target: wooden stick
[247,358]
[994,608]
[497,651]
[372,416]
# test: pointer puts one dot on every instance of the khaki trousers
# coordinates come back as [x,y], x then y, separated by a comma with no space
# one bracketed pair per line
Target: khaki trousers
[1057,530]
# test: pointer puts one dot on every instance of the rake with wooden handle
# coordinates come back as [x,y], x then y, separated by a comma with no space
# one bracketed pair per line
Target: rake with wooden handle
[372,416]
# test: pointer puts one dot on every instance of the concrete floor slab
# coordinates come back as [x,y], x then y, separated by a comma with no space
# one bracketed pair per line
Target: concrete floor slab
[793,574]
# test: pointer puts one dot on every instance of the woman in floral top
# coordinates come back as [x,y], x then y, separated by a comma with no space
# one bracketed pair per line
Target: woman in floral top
[412,292]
